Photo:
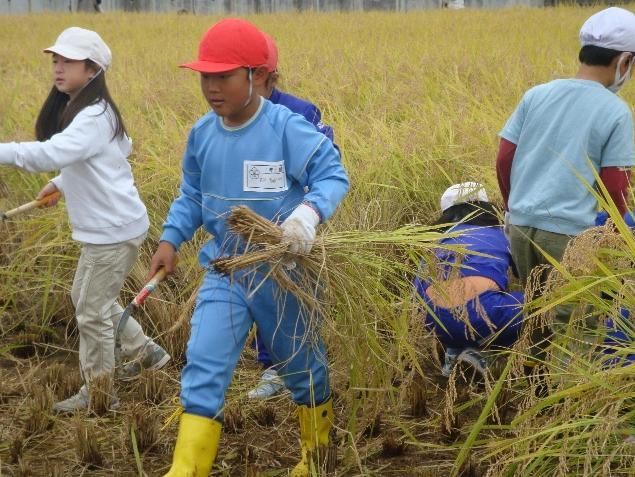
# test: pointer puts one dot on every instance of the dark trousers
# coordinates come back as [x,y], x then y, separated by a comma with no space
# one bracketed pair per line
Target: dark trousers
[530,247]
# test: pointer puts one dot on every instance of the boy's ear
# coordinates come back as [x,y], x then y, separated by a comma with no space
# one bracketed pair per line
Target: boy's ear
[260,75]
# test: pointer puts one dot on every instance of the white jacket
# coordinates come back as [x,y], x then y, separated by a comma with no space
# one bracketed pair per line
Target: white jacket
[95,177]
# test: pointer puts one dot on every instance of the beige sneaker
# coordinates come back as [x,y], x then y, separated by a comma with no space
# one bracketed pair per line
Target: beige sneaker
[152,357]
[80,401]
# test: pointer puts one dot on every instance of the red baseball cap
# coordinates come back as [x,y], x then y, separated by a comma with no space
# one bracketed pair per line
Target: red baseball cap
[229,44]
[272,63]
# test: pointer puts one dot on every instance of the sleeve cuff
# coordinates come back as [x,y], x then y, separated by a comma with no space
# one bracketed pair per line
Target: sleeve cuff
[173,236]
[57,182]
[314,208]
[7,154]
[508,136]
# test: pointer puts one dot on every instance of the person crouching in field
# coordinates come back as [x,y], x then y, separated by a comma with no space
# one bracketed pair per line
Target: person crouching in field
[270,382]
[465,300]
[80,132]
[248,151]
[620,332]
[560,135]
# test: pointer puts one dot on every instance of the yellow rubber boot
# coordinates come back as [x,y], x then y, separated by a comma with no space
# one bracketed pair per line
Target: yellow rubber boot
[315,424]
[196,446]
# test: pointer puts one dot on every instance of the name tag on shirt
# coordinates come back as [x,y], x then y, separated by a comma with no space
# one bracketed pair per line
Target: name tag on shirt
[261,176]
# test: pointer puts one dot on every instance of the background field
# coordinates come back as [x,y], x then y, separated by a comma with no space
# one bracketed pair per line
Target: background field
[416,102]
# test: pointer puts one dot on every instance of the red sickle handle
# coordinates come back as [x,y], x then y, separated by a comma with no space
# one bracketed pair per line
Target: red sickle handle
[149,287]
[33,204]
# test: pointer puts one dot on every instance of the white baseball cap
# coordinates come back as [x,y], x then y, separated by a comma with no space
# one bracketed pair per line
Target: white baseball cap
[77,43]
[612,28]
[463,192]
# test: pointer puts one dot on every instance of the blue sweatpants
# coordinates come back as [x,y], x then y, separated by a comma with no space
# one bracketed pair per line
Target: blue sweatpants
[503,310]
[224,313]
[263,354]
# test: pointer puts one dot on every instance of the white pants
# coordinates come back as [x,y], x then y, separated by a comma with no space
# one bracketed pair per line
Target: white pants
[101,272]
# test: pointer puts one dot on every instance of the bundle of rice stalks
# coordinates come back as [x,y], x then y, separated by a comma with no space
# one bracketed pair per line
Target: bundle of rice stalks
[334,260]
[362,270]
[254,228]
[355,287]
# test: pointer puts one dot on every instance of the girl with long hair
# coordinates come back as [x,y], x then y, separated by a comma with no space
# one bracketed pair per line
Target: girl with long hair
[81,133]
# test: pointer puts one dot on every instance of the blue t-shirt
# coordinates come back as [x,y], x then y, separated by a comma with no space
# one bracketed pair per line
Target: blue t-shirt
[272,163]
[564,130]
[490,241]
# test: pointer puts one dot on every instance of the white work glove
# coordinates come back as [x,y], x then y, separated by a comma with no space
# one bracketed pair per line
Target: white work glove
[299,229]
[507,227]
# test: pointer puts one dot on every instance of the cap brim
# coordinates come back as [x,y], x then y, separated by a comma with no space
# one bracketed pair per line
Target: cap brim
[67,52]
[209,67]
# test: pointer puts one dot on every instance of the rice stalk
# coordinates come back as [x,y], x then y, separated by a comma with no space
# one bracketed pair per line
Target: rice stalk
[86,443]
[580,427]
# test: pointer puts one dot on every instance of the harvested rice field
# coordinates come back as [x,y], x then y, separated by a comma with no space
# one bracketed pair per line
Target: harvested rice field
[416,101]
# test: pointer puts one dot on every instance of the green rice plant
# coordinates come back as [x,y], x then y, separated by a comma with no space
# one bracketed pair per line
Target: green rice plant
[581,426]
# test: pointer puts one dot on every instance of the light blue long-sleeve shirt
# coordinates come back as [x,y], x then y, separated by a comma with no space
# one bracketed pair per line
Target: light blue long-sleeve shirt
[272,163]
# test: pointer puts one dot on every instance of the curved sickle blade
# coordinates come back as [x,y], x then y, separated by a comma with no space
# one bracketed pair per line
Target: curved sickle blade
[120,327]
[134,304]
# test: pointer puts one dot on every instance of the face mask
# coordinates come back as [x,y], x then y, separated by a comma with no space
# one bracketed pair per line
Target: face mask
[620,80]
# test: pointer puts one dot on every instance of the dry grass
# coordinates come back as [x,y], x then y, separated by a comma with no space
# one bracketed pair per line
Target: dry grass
[416,101]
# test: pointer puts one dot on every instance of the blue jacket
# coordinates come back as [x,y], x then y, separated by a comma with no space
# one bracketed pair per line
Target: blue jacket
[307,109]
[272,163]
[486,240]
[602,217]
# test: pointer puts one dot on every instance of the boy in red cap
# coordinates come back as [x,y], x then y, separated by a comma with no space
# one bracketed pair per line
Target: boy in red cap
[248,151]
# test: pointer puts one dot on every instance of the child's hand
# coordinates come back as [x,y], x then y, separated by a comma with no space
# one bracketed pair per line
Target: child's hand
[49,189]
[165,256]
[299,229]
